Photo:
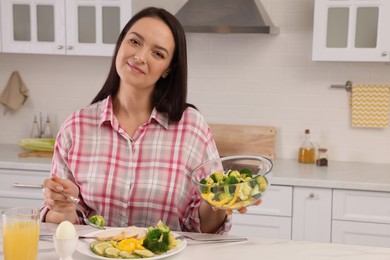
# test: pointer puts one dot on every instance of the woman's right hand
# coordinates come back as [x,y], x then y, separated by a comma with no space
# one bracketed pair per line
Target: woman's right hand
[60,207]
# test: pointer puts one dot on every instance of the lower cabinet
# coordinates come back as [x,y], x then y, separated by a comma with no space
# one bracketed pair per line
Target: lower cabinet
[21,188]
[361,217]
[272,219]
[319,214]
[312,209]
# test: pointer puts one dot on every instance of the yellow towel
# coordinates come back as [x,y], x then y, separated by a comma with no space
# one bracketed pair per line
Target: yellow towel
[15,93]
[370,105]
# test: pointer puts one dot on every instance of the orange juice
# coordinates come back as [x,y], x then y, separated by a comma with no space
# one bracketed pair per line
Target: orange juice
[20,240]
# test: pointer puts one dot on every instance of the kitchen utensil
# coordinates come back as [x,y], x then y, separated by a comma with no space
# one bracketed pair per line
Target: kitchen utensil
[212,240]
[76,201]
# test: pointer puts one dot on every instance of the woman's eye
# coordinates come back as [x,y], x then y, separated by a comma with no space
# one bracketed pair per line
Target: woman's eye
[134,42]
[159,55]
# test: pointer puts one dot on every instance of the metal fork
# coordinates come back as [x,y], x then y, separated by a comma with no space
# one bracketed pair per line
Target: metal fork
[213,240]
[76,201]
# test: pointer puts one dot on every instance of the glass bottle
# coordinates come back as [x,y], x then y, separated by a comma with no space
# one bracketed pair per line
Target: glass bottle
[47,133]
[306,150]
[35,131]
[322,159]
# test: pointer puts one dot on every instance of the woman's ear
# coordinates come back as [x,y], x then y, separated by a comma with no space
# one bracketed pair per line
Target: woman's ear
[165,74]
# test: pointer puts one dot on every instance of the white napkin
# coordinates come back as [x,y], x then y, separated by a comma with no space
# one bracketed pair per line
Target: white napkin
[15,93]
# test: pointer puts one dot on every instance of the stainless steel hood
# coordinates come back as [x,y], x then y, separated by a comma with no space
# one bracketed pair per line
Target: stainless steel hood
[225,16]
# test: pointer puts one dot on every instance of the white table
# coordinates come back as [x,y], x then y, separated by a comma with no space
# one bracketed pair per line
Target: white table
[254,248]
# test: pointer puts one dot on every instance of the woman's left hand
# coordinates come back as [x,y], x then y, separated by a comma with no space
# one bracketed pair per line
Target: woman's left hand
[241,210]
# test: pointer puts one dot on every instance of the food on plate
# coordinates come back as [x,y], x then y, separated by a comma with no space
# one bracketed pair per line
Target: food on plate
[66,230]
[159,239]
[134,242]
[97,220]
[233,189]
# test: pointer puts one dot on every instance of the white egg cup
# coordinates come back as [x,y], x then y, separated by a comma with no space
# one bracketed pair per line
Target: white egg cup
[65,247]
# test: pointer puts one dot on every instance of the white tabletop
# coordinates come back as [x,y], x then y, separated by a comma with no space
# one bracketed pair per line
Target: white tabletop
[254,248]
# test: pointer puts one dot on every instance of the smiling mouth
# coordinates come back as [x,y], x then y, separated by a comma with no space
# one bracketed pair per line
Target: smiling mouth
[135,68]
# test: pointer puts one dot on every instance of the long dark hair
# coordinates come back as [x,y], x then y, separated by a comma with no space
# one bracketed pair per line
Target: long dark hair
[170,93]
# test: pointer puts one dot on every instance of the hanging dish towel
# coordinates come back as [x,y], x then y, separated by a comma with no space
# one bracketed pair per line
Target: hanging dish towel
[15,93]
[370,105]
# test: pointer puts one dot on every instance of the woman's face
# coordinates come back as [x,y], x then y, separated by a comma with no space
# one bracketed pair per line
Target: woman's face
[145,53]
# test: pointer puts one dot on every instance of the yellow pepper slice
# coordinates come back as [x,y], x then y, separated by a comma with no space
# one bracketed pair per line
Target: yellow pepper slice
[129,244]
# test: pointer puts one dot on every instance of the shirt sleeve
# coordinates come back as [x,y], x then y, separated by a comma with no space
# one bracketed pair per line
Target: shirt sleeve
[60,166]
[207,151]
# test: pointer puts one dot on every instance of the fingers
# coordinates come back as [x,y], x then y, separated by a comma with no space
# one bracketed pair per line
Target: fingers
[53,199]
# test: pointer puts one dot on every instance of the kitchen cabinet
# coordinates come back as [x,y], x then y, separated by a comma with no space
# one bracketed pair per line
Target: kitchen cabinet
[21,188]
[272,219]
[72,27]
[351,30]
[361,217]
[312,209]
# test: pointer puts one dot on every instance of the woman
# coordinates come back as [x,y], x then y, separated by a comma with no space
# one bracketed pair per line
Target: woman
[128,155]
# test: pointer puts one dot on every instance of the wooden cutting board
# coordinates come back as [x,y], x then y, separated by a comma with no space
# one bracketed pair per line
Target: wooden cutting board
[36,154]
[244,139]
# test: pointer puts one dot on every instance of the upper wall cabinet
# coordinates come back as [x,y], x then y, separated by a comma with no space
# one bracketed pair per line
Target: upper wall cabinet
[351,30]
[73,27]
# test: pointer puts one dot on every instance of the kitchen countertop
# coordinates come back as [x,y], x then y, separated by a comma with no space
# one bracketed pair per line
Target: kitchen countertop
[343,175]
[254,248]
[9,159]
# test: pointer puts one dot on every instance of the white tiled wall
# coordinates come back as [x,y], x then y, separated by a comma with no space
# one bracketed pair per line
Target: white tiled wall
[238,79]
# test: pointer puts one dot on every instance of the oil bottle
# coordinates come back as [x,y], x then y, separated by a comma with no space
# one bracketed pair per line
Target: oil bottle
[307,152]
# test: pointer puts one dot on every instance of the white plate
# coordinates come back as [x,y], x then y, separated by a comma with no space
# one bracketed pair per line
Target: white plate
[83,247]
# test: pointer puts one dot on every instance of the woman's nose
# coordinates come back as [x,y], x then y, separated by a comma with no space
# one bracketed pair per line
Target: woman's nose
[139,57]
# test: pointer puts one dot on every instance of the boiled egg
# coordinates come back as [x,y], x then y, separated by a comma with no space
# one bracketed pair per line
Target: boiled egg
[66,230]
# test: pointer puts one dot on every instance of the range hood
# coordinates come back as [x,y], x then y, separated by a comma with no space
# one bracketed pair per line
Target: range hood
[225,16]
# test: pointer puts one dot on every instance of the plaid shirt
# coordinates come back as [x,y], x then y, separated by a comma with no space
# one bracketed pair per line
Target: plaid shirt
[139,180]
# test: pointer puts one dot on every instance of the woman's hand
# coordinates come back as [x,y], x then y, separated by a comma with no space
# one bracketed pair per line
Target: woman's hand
[241,210]
[60,208]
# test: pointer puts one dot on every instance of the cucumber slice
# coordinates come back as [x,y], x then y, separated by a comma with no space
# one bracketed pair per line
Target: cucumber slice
[100,247]
[127,255]
[144,253]
[111,252]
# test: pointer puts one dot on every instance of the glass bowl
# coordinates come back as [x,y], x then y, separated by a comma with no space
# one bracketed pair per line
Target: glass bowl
[232,182]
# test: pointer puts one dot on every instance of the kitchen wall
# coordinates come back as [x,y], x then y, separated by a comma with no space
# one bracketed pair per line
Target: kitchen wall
[235,79]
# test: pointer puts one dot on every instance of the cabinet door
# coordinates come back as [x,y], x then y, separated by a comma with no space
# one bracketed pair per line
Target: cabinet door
[35,26]
[351,30]
[93,27]
[360,233]
[365,206]
[312,214]
[249,225]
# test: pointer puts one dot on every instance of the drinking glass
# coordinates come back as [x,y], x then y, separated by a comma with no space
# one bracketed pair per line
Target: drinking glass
[20,233]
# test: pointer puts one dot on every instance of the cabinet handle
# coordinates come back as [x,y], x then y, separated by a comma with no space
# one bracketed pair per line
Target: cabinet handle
[60,47]
[311,195]
[20,185]
[384,53]
[69,48]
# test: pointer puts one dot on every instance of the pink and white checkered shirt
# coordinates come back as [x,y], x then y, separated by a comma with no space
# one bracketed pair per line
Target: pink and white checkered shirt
[139,180]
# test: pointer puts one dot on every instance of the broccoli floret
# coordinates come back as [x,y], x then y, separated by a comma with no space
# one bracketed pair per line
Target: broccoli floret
[247,172]
[98,220]
[164,228]
[216,176]
[222,180]
[154,234]
[235,174]
[155,246]
[231,180]
[157,239]
[223,196]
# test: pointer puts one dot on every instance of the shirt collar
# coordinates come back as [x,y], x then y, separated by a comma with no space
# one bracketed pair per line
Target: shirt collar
[107,115]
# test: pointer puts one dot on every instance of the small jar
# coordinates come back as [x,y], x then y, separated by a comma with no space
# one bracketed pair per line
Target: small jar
[322,159]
